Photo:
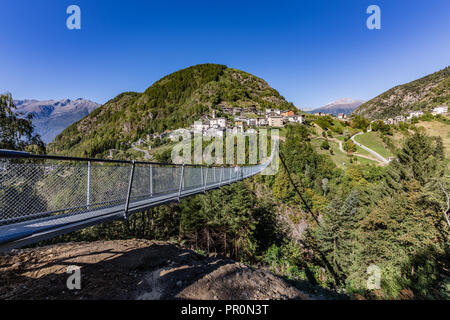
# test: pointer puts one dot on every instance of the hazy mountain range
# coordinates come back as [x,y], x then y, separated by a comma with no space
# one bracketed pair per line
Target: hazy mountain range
[344,105]
[51,117]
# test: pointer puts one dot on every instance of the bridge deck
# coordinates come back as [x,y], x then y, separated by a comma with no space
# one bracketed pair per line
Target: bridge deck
[55,195]
[28,232]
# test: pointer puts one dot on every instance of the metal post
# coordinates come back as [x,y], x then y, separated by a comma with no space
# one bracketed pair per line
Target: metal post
[130,185]
[221,177]
[206,180]
[231,173]
[151,180]
[88,200]
[181,182]
[201,176]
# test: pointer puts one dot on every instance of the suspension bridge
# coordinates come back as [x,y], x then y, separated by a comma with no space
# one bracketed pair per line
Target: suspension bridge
[43,196]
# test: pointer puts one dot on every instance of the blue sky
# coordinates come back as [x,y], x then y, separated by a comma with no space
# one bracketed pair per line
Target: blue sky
[312,52]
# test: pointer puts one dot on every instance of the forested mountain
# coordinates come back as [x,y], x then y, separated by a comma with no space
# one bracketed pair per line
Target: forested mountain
[344,105]
[422,94]
[51,117]
[175,101]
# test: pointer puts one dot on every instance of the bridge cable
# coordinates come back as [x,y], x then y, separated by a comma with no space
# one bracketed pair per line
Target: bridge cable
[312,246]
[296,189]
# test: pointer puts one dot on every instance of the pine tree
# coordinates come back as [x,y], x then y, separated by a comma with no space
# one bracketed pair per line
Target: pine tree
[16,131]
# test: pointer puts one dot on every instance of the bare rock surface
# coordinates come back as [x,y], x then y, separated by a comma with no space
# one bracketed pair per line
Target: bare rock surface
[134,269]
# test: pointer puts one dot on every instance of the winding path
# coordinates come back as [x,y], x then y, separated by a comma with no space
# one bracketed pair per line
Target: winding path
[147,154]
[355,153]
[376,154]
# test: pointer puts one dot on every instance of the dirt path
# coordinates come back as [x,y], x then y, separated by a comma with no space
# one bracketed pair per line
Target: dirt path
[146,152]
[341,148]
[134,269]
[376,154]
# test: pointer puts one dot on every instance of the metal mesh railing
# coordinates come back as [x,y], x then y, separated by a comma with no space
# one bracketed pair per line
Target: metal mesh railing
[33,188]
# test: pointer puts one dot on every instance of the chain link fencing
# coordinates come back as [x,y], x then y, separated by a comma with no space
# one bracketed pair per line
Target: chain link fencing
[32,189]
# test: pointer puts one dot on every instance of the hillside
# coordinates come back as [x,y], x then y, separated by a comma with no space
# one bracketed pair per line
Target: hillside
[135,269]
[175,101]
[344,105]
[51,117]
[422,94]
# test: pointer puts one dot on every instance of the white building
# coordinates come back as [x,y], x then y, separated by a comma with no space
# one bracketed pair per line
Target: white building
[440,110]
[276,121]
[296,119]
[200,126]
[261,122]
[235,130]
[399,119]
[218,122]
[214,132]
[251,122]
[389,121]
[414,114]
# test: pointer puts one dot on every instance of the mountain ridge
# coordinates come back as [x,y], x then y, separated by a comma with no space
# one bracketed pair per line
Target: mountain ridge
[419,95]
[51,117]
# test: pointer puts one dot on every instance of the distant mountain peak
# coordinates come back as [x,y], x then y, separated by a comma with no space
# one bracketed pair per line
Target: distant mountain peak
[342,105]
[343,101]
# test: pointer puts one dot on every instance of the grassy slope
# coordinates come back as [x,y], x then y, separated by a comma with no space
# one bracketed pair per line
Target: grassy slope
[438,129]
[373,141]
[421,94]
[432,128]
[341,159]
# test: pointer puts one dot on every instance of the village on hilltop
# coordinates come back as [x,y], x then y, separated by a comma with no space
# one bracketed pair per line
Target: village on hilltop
[243,118]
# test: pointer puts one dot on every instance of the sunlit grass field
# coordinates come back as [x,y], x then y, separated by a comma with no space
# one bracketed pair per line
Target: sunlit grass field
[373,141]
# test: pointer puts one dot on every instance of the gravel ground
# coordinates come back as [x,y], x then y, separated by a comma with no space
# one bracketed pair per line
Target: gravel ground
[134,269]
